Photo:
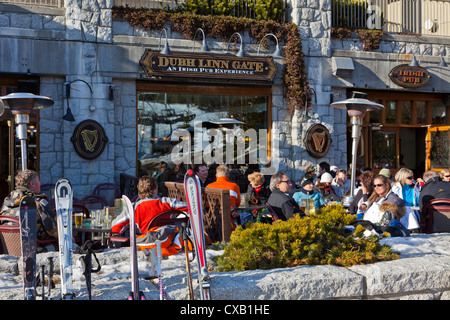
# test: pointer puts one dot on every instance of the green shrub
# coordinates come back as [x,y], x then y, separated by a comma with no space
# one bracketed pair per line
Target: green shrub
[318,239]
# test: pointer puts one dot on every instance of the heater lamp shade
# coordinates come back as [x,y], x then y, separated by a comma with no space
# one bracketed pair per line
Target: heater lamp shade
[22,102]
[357,107]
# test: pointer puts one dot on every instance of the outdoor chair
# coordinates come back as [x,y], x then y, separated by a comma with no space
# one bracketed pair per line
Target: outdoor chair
[169,217]
[435,216]
[109,191]
[10,236]
[75,201]
[94,202]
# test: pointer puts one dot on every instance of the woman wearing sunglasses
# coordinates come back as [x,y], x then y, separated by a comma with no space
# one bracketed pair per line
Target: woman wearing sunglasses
[445,175]
[382,194]
[408,189]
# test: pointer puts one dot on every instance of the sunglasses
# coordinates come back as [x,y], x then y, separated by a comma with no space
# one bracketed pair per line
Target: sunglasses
[448,176]
[410,178]
[287,181]
[378,185]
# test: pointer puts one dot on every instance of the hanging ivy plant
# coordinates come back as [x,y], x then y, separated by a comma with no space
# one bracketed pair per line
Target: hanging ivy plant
[222,27]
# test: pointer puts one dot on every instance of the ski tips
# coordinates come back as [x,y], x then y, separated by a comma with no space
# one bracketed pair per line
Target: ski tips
[190,172]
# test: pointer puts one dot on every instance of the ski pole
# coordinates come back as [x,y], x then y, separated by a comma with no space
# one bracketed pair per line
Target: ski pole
[184,237]
[162,293]
[50,276]
[43,281]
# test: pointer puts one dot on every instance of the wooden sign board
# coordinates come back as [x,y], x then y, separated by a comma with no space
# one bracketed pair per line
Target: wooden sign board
[182,64]
[409,77]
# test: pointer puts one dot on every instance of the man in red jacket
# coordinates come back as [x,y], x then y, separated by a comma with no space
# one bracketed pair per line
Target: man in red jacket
[223,182]
[147,207]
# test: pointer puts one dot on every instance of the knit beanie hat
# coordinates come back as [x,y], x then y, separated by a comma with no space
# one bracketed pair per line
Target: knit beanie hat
[306,180]
[326,177]
[385,172]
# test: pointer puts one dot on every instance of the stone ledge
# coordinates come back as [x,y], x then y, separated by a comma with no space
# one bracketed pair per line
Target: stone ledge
[421,273]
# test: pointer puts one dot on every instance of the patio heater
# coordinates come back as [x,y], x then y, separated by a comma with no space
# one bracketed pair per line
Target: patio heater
[21,105]
[356,107]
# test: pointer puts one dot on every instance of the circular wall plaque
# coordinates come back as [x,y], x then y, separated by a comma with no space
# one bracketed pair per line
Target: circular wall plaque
[89,139]
[317,141]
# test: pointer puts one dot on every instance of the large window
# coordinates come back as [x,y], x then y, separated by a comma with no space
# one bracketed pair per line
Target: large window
[163,110]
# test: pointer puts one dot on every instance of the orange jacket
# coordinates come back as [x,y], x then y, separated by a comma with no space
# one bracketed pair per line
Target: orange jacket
[224,183]
[145,211]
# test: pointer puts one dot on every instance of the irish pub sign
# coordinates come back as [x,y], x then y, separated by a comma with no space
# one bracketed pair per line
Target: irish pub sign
[207,65]
[409,77]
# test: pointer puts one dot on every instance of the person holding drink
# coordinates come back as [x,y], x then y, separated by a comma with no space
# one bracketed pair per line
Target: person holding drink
[306,193]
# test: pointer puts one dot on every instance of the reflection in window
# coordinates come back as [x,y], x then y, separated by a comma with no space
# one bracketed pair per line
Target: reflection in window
[439,152]
[160,114]
[406,112]
[421,112]
[439,113]
[375,116]
[391,112]
[384,148]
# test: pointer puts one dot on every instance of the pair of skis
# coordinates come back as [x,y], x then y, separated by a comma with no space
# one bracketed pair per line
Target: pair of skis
[194,199]
[28,228]
[193,192]
[135,293]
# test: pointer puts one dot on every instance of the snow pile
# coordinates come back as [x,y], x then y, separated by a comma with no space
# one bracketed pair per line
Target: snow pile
[113,282]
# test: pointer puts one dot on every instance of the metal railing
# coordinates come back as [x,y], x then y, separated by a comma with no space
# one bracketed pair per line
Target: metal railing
[426,17]
[42,3]
[149,4]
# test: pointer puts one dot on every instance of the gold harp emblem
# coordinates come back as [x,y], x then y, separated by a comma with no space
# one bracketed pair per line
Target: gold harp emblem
[319,140]
[90,138]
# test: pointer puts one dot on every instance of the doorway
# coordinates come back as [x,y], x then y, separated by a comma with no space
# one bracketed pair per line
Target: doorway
[399,136]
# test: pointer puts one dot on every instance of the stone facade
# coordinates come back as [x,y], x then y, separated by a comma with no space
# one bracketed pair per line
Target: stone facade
[83,42]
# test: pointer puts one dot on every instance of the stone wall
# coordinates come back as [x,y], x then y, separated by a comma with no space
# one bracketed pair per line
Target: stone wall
[421,273]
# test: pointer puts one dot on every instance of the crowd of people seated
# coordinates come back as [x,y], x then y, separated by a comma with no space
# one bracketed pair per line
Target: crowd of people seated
[329,185]
[381,201]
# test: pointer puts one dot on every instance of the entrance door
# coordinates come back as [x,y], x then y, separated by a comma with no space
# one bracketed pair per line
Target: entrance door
[385,148]
[437,148]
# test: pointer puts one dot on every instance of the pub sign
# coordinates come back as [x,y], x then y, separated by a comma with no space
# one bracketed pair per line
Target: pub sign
[317,141]
[207,65]
[89,139]
[407,76]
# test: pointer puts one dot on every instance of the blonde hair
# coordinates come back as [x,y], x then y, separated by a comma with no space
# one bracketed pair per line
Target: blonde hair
[222,171]
[443,172]
[402,174]
[256,177]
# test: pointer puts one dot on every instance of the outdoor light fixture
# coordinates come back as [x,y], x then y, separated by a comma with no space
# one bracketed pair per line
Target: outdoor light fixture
[241,52]
[442,63]
[414,62]
[356,107]
[21,105]
[204,47]
[69,116]
[277,52]
[166,49]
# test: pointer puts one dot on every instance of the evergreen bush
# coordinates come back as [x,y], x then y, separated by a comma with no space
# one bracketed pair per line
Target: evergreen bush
[317,239]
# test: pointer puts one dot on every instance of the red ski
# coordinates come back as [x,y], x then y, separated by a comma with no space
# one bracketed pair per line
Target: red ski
[194,199]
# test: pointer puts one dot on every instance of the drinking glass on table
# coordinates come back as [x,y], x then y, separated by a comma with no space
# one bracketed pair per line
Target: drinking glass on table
[78,219]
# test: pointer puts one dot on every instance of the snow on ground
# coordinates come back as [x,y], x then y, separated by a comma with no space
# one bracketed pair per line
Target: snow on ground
[113,282]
